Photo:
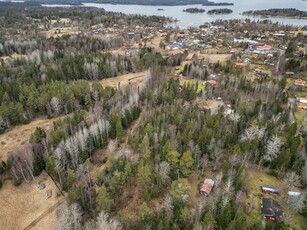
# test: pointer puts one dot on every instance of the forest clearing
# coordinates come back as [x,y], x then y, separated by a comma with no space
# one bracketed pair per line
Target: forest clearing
[18,136]
[27,202]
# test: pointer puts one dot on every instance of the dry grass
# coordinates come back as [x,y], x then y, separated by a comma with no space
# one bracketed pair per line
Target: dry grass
[64,31]
[123,80]
[213,105]
[304,32]
[19,136]
[20,206]
[13,56]
[61,20]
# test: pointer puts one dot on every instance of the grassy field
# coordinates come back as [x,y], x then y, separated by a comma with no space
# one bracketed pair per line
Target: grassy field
[300,115]
[199,83]
[27,205]
[19,136]
[64,31]
[132,78]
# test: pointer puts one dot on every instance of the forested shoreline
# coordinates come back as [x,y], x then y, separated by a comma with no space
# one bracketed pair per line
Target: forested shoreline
[288,13]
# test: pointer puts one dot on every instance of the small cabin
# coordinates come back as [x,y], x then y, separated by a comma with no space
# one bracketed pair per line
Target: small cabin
[299,82]
[206,187]
[270,190]
[293,194]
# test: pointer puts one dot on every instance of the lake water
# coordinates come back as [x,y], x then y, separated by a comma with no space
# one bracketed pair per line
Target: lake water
[193,20]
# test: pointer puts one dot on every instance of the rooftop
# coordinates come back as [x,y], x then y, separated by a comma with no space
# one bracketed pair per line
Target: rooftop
[270,207]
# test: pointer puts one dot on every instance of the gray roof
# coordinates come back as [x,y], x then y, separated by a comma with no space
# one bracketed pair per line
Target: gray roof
[270,207]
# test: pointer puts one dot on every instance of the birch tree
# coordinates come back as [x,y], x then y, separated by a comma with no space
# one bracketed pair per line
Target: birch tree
[104,222]
[70,218]
[272,149]
[56,105]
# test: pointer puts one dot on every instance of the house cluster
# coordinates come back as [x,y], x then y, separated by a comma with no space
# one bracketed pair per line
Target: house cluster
[301,102]
[270,208]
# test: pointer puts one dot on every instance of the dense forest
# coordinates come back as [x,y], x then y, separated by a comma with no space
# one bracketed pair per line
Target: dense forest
[290,12]
[220,11]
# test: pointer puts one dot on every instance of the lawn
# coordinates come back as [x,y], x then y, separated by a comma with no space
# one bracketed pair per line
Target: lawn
[193,81]
[299,115]
[254,181]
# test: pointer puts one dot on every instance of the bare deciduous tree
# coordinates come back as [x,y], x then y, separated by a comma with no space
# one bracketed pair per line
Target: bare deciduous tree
[272,149]
[291,179]
[163,170]
[252,133]
[104,222]
[298,203]
[70,218]
[56,105]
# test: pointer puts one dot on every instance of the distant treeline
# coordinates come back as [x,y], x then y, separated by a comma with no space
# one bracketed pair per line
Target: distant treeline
[194,10]
[289,12]
[135,2]
[220,11]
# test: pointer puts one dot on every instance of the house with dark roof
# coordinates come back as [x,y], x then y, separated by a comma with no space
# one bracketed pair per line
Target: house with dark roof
[271,210]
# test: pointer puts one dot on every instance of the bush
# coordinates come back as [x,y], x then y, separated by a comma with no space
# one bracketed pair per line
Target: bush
[273,173]
[17,182]
[1,184]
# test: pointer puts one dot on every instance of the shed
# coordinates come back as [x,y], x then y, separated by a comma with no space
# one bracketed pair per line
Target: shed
[291,193]
[206,187]
[270,190]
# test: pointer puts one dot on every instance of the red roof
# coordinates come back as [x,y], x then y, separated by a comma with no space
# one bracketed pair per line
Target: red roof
[212,82]
[299,82]
[258,70]
[207,186]
[266,47]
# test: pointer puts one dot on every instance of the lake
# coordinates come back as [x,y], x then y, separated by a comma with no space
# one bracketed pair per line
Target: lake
[194,20]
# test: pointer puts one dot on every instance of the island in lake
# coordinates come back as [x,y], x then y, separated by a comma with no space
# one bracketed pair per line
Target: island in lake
[160,9]
[220,11]
[285,13]
[194,10]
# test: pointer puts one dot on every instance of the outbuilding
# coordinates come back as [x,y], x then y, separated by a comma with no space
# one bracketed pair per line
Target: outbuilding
[206,187]
[269,190]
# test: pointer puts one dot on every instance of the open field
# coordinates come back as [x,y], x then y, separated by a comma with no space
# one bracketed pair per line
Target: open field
[199,83]
[20,206]
[19,136]
[61,20]
[64,31]
[213,58]
[301,116]
[131,78]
